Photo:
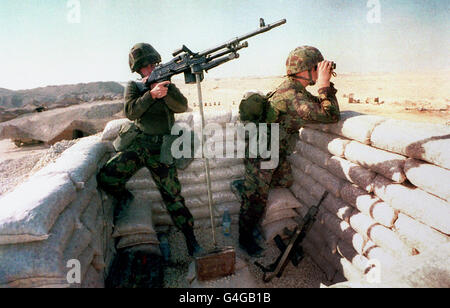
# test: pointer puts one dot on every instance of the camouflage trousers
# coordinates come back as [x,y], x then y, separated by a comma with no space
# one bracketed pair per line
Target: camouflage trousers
[257,184]
[120,168]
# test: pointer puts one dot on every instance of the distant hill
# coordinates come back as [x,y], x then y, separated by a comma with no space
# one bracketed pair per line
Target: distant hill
[60,95]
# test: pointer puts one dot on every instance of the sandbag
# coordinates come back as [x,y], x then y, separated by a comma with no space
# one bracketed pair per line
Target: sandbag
[89,216]
[415,202]
[42,259]
[136,218]
[93,279]
[278,215]
[305,197]
[351,172]
[379,234]
[326,142]
[273,229]
[324,265]
[369,205]
[312,154]
[300,162]
[388,164]
[308,183]
[137,239]
[80,161]
[37,283]
[87,195]
[428,142]
[29,212]
[430,178]
[330,182]
[337,207]
[112,128]
[78,242]
[280,199]
[352,125]
[418,235]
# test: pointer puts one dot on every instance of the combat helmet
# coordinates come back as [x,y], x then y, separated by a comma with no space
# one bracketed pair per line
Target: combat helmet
[252,107]
[141,55]
[302,58]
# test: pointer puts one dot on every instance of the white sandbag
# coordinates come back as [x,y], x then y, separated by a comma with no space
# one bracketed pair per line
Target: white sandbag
[98,234]
[307,182]
[330,182]
[137,239]
[303,195]
[275,228]
[369,205]
[93,279]
[379,234]
[78,242]
[326,142]
[428,142]
[430,178]
[42,259]
[136,218]
[349,253]
[87,195]
[312,154]
[418,235]
[278,215]
[337,207]
[80,160]
[352,172]
[352,125]
[112,128]
[300,162]
[378,255]
[350,271]
[201,189]
[280,199]
[385,163]
[89,216]
[415,202]
[143,180]
[29,212]
[302,210]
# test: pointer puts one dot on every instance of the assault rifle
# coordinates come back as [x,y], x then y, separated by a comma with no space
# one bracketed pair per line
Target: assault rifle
[195,63]
[293,251]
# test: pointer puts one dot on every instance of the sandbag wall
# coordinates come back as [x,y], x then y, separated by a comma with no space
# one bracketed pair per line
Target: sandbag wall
[56,216]
[388,184]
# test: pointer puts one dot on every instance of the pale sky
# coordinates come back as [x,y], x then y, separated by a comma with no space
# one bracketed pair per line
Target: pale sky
[41,45]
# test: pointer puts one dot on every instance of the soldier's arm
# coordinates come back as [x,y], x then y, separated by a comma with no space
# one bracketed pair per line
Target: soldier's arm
[175,100]
[136,104]
[324,109]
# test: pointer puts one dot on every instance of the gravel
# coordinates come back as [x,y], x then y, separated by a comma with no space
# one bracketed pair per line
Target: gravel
[306,275]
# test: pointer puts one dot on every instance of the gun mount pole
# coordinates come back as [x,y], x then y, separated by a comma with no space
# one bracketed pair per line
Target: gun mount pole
[205,159]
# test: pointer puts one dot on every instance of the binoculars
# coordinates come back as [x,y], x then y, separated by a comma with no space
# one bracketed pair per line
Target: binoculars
[333,65]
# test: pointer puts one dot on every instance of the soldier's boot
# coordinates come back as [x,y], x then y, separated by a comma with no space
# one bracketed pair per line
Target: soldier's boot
[248,243]
[194,249]
[237,187]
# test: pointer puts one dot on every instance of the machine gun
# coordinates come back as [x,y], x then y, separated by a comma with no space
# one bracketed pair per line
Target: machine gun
[193,64]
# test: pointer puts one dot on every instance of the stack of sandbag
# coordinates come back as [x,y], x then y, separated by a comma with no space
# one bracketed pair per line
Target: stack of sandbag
[388,192]
[134,227]
[194,190]
[55,217]
[281,211]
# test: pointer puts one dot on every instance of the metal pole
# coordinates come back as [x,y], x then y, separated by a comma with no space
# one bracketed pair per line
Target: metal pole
[205,159]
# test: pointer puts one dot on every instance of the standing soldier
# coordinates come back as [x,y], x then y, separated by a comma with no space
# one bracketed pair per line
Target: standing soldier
[153,114]
[291,105]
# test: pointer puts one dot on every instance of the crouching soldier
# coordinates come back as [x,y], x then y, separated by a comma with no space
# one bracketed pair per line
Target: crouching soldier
[290,105]
[153,114]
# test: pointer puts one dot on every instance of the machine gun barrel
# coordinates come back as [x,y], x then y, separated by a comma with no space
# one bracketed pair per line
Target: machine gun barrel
[262,29]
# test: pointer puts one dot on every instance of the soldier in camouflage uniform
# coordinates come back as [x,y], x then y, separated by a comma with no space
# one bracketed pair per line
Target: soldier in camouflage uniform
[153,113]
[291,105]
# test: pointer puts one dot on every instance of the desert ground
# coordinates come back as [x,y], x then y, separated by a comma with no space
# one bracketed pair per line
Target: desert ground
[422,97]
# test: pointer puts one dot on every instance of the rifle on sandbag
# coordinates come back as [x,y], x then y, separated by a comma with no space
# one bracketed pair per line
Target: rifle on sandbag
[292,251]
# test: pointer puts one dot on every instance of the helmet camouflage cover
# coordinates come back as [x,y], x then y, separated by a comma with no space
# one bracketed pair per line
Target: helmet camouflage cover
[141,55]
[252,106]
[302,59]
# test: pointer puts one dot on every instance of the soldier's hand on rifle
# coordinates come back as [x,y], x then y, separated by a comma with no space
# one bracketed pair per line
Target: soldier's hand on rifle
[159,90]
[324,71]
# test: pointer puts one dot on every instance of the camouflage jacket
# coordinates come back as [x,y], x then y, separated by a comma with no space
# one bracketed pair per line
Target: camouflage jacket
[153,117]
[292,106]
